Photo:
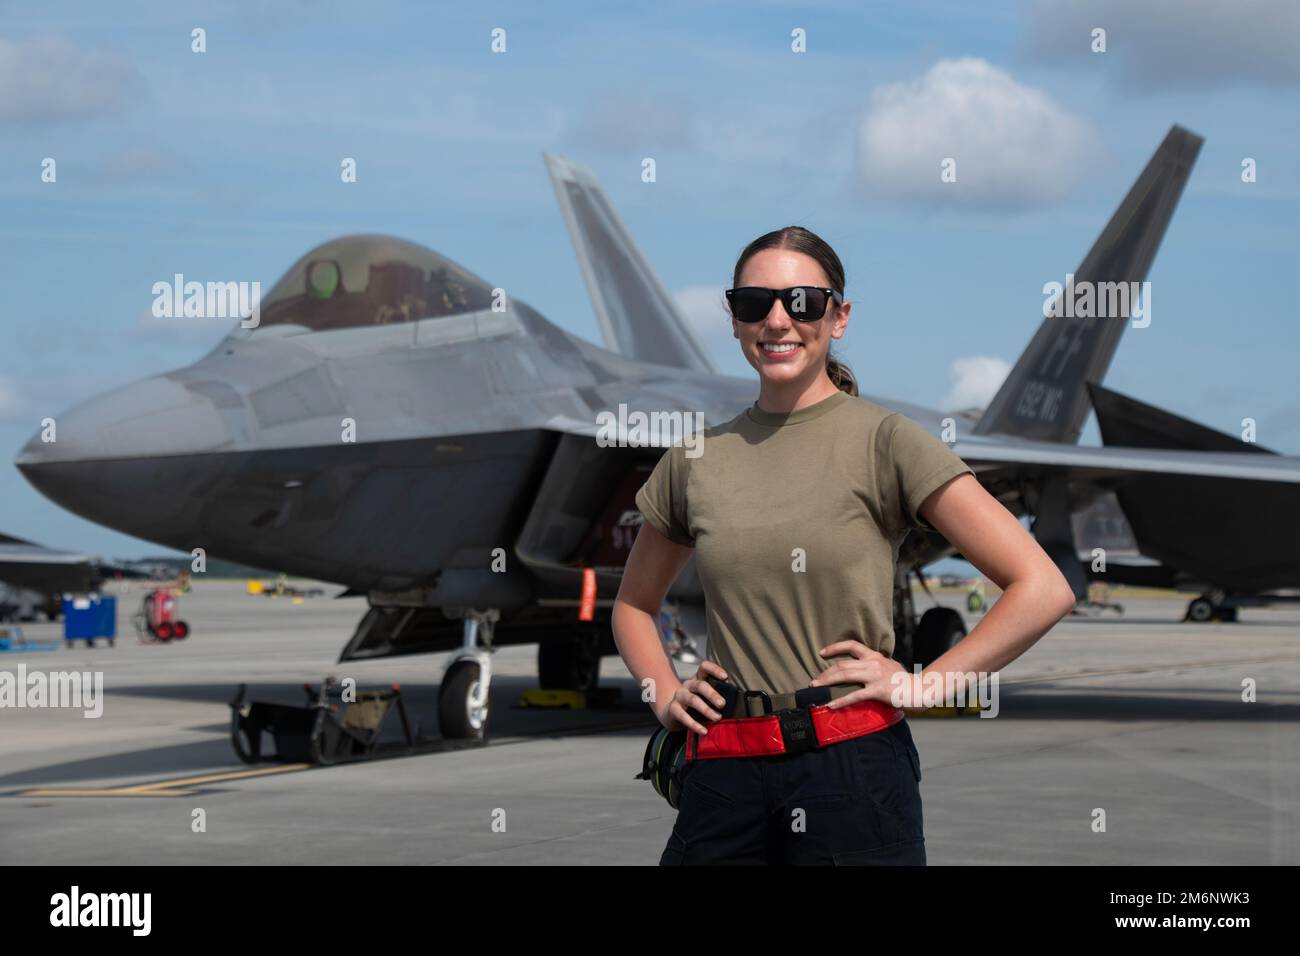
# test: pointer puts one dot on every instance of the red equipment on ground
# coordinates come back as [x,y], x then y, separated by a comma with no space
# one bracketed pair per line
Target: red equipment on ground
[158,616]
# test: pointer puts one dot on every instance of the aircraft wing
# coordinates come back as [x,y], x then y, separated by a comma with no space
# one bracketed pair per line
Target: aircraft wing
[1116,462]
[1224,520]
[1080,461]
[15,551]
[46,570]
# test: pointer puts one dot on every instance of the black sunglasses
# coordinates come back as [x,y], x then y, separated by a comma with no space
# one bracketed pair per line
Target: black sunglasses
[803,303]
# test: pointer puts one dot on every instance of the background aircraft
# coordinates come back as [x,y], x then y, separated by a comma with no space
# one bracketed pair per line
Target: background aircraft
[398,426]
[34,578]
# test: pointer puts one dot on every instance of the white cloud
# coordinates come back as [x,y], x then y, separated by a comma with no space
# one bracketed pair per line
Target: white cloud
[975,381]
[1014,147]
[1173,44]
[51,78]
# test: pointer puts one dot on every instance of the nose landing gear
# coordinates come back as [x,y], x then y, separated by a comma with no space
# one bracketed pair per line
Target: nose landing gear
[463,696]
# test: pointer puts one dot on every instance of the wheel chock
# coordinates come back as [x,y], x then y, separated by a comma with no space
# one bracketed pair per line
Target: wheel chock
[543,698]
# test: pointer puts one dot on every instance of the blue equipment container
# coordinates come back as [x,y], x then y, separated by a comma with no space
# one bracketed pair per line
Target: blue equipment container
[86,618]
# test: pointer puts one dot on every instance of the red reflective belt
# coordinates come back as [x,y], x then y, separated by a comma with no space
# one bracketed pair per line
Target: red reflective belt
[761,736]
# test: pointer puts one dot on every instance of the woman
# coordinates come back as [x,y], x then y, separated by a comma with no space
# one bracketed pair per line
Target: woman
[795,510]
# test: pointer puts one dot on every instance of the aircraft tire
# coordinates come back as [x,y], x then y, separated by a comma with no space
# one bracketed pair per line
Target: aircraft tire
[569,665]
[454,717]
[939,630]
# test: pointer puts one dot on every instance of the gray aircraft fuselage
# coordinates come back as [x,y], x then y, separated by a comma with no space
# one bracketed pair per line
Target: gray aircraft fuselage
[398,426]
[454,420]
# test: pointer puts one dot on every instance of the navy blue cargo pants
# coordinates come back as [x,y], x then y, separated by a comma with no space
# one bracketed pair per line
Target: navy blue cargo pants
[855,802]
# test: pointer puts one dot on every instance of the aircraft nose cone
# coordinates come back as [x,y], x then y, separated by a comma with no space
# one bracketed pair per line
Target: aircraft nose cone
[156,416]
[31,452]
[101,459]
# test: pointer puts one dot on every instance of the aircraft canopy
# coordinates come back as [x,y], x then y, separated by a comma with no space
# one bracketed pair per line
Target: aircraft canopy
[371,280]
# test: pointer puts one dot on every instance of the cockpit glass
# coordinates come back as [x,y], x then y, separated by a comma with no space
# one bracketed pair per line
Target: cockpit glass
[371,280]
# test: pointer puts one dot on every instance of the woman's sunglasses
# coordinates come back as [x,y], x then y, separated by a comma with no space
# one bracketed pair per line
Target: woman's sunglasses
[803,303]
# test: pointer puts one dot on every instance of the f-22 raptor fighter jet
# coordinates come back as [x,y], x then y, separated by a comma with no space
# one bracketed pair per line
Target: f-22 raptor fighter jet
[33,578]
[474,502]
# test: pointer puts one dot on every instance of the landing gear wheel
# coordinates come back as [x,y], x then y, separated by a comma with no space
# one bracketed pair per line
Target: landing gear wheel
[246,749]
[1228,614]
[939,630]
[458,716]
[569,665]
[1200,610]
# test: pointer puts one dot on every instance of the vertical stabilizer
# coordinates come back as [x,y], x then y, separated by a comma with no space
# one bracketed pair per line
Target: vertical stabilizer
[1045,397]
[637,316]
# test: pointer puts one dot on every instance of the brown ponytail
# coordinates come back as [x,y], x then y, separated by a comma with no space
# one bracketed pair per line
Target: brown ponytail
[799,239]
[840,375]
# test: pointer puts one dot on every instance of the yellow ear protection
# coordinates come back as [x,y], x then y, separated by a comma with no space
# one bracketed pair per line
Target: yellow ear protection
[664,756]
[665,753]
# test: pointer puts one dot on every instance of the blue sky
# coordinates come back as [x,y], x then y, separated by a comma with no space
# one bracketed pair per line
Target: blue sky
[225,165]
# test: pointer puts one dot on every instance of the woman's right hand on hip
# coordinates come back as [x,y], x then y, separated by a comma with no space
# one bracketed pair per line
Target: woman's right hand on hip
[694,694]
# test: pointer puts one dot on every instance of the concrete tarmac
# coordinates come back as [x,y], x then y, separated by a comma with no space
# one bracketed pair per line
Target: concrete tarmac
[1138,715]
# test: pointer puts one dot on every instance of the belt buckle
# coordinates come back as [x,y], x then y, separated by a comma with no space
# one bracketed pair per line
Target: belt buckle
[797,730]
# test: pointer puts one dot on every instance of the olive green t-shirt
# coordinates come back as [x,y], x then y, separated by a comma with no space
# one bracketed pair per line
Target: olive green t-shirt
[796,520]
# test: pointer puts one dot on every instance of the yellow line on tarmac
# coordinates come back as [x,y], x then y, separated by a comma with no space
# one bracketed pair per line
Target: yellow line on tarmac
[219,777]
[120,792]
[164,788]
